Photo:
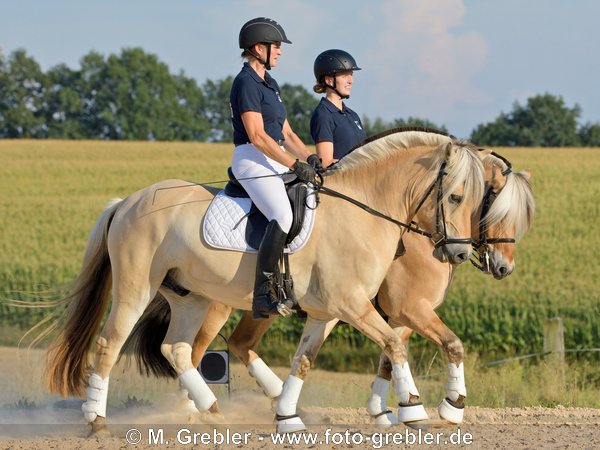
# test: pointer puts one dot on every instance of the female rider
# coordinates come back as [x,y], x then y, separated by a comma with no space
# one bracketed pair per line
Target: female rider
[334,127]
[265,147]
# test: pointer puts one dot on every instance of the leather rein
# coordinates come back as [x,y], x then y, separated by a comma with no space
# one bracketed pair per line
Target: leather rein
[439,237]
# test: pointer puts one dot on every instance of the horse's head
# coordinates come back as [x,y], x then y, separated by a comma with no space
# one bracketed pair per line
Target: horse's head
[450,200]
[503,217]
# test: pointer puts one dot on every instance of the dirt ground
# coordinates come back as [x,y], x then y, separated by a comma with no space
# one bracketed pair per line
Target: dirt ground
[515,428]
[32,419]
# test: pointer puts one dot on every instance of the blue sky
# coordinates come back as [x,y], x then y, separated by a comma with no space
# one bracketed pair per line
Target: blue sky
[458,63]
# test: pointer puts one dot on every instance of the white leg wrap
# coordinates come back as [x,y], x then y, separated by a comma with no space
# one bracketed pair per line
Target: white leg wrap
[404,385]
[287,401]
[377,403]
[291,425]
[270,383]
[97,394]
[378,400]
[198,389]
[455,386]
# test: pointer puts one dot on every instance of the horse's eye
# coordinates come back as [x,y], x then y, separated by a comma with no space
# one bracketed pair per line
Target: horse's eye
[454,198]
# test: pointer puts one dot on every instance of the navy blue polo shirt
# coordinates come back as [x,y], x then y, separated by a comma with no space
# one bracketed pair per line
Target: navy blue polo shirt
[250,92]
[343,128]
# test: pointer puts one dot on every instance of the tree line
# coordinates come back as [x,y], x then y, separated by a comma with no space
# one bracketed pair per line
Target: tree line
[133,96]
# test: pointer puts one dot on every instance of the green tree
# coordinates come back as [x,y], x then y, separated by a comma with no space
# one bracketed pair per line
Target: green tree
[545,121]
[65,104]
[217,109]
[22,96]
[589,134]
[300,104]
[140,99]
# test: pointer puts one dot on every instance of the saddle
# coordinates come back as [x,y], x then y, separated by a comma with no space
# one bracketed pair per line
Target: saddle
[257,222]
[233,222]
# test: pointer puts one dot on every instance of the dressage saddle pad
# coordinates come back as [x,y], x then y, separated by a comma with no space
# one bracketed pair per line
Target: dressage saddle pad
[233,223]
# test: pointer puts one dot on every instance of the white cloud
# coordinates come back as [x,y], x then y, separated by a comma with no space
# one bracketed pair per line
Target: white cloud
[423,62]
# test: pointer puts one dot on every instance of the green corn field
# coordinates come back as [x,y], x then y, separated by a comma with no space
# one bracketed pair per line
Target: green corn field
[53,191]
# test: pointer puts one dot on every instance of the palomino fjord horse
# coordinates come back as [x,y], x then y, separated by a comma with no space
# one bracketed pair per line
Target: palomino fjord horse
[156,230]
[414,286]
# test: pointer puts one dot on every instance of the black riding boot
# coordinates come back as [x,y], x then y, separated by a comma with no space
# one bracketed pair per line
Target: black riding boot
[264,302]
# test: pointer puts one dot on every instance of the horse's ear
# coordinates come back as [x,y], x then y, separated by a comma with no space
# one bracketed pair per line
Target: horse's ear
[527,174]
[498,179]
[448,150]
[484,152]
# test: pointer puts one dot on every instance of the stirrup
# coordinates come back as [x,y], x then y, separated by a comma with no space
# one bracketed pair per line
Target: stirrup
[284,309]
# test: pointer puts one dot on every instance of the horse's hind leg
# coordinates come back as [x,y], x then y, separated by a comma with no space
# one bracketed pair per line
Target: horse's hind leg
[243,343]
[187,316]
[216,316]
[314,334]
[127,307]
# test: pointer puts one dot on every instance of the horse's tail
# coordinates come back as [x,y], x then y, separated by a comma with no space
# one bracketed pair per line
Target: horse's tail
[67,361]
[146,338]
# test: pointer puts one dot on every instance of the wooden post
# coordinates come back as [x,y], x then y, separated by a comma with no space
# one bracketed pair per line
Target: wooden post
[554,340]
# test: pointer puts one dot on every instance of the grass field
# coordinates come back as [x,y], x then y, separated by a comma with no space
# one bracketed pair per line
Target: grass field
[53,191]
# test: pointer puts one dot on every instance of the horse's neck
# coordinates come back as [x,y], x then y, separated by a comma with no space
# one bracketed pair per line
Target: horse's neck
[386,185]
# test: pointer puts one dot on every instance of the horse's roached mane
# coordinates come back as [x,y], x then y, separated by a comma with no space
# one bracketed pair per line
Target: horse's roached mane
[400,130]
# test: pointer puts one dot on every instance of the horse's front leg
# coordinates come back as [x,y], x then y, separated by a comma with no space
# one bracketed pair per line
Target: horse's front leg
[372,325]
[314,334]
[424,320]
[377,402]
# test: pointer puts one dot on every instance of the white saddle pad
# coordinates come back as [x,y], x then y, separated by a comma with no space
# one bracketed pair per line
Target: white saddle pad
[225,221]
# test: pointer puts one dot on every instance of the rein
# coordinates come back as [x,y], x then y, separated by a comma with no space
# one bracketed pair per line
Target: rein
[439,237]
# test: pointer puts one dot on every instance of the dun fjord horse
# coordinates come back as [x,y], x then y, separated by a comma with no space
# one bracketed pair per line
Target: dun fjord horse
[414,286]
[156,230]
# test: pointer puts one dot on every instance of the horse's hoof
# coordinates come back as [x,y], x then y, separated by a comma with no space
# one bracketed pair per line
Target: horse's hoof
[289,424]
[450,412]
[99,427]
[385,419]
[411,412]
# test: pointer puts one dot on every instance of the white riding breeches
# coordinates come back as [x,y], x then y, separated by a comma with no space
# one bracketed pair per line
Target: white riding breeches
[267,193]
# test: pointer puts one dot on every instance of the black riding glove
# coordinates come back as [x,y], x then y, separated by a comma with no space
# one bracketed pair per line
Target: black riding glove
[304,172]
[315,163]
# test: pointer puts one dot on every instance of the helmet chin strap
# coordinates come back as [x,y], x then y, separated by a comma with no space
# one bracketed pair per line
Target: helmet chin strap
[260,60]
[334,87]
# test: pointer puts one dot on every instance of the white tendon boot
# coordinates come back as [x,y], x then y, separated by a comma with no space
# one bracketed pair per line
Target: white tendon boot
[97,394]
[455,388]
[184,402]
[270,383]
[287,419]
[377,404]
[404,386]
[197,389]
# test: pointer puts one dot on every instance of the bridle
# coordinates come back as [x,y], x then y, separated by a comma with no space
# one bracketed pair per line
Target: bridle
[439,237]
[481,255]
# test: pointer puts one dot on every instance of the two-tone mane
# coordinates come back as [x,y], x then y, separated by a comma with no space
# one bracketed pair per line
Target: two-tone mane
[382,150]
[514,206]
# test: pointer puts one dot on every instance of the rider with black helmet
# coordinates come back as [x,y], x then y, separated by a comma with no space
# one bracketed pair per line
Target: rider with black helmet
[334,127]
[265,147]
